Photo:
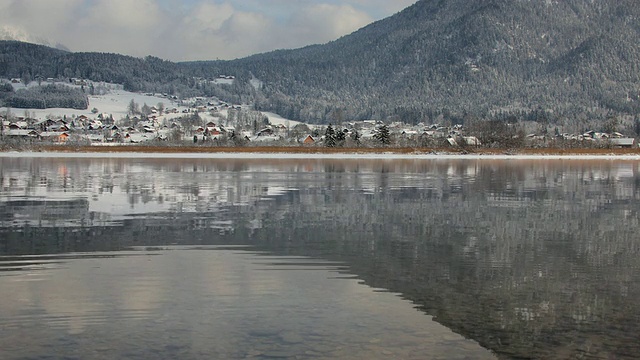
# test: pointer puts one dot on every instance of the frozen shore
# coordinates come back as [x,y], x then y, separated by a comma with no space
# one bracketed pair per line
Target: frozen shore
[314,156]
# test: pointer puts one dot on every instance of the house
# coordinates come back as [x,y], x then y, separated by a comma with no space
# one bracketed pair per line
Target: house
[44,124]
[266,138]
[472,141]
[410,134]
[136,138]
[56,137]
[20,133]
[309,140]
[58,127]
[82,119]
[213,132]
[623,142]
[95,125]
[265,132]
[96,138]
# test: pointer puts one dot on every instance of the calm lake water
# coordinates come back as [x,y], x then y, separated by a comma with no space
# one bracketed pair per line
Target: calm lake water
[319,259]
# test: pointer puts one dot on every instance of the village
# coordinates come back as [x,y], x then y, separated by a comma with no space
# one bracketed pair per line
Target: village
[112,120]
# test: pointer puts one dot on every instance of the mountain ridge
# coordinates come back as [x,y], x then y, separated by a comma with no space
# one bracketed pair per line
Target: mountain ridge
[452,60]
[435,57]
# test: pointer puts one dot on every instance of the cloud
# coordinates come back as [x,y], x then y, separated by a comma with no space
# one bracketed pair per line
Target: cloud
[35,19]
[125,15]
[213,31]
[325,22]
[381,8]
[124,26]
[191,29]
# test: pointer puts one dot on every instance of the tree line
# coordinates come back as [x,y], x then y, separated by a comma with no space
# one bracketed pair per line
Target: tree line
[44,97]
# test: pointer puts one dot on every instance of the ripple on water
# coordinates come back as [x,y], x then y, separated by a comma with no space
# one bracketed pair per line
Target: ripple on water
[187,302]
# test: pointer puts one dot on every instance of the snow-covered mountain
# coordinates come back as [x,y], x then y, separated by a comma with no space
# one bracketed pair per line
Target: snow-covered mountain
[8,32]
[436,61]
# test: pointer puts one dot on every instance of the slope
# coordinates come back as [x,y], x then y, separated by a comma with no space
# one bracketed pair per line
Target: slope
[461,57]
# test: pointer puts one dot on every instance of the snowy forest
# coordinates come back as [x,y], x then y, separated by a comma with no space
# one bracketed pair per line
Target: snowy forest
[44,97]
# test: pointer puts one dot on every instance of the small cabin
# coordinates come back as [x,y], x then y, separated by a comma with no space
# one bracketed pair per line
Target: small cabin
[308,140]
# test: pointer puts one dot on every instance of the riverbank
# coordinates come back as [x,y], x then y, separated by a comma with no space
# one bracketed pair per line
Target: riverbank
[301,153]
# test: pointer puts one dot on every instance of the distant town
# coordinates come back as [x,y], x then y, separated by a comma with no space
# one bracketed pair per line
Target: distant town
[170,121]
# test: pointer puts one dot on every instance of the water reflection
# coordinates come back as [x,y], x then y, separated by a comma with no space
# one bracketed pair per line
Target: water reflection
[532,259]
[192,303]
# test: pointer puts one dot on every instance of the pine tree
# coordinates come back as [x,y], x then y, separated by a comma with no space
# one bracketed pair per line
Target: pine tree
[341,137]
[382,135]
[355,136]
[329,137]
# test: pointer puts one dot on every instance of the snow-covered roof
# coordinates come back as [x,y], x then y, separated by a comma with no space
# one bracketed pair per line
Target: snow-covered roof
[20,132]
[266,138]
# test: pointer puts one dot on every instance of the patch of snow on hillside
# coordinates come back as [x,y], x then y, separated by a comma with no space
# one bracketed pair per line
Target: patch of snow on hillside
[115,103]
[223,81]
[257,84]
[276,119]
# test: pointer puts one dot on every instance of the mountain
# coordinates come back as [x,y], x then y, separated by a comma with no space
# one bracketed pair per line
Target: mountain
[459,57]
[30,61]
[438,60]
[9,33]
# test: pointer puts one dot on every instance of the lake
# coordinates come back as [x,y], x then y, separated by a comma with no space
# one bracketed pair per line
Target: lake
[150,258]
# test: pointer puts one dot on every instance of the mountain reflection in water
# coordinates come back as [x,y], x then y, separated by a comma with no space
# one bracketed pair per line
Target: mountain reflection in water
[531,259]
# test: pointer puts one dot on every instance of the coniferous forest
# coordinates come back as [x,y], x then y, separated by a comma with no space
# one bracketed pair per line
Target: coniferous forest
[47,96]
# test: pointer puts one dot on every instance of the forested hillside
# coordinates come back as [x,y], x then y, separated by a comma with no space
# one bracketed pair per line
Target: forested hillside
[531,58]
[48,96]
[30,61]
[541,60]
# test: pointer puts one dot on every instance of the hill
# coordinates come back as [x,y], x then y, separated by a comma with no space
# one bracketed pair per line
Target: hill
[456,60]
[31,61]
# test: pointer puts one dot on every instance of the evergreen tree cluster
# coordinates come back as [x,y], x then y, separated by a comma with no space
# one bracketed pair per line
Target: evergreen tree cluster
[6,90]
[382,135]
[48,96]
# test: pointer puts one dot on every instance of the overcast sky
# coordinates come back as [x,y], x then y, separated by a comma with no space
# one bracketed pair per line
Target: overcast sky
[188,29]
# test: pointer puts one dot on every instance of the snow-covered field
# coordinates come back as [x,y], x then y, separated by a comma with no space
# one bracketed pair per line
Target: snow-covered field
[312,156]
[276,119]
[116,103]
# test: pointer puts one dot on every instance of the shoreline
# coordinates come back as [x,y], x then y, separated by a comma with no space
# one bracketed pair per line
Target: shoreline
[295,152]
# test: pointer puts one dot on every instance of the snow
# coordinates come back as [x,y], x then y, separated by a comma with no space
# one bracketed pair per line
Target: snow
[223,81]
[295,156]
[257,84]
[115,103]
[276,119]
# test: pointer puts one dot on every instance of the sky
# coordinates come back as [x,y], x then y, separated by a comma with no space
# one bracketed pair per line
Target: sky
[184,30]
